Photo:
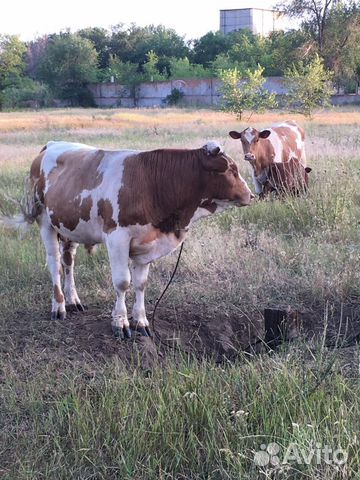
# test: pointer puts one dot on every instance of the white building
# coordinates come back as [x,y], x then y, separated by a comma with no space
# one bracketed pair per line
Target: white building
[260,21]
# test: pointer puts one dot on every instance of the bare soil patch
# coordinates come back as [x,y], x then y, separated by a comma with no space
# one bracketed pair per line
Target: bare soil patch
[88,334]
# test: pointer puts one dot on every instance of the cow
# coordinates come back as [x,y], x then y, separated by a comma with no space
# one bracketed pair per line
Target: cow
[287,178]
[140,204]
[277,144]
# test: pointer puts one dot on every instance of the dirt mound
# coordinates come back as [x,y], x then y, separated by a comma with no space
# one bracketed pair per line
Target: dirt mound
[89,334]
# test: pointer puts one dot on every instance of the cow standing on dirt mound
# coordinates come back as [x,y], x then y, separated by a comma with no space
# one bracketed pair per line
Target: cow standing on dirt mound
[276,144]
[140,204]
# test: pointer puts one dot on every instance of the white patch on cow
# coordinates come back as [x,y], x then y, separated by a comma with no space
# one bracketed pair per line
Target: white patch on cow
[249,134]
[263,177]
[161,246]
[111,167]
[277,143]
[212,146]
[295,132]
[258,186]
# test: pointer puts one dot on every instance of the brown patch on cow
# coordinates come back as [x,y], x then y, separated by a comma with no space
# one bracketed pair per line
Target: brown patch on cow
[289,177]
[75,171]
[151,236]
[90,248]
[123,286]
[37,179]
[105,211]
[85,208]
[208,205]
[162,188]
[67,258]
[67,270]
[165,187]
[59,297]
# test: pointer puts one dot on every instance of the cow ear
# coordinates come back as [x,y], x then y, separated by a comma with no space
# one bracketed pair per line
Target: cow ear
[264,134]
[308,169]
[235,135]
[214,164]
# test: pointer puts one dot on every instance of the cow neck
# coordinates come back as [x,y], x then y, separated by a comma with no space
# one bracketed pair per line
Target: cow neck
[162,188]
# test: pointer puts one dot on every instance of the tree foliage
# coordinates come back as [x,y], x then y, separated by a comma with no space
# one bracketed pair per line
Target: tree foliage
[245,91]
[309,86]
[12,60]
[68,65]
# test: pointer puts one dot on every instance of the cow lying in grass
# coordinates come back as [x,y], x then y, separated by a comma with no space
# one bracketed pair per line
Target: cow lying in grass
[287,178]
[140,204]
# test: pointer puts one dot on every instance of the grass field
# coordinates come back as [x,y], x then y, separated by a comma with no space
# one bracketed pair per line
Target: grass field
[75,402]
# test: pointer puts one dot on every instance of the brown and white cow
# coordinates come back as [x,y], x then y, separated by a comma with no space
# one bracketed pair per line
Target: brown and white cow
[290,177]
[277,144]
[140,204]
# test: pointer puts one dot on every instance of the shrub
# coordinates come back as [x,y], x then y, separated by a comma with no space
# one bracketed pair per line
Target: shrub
[309,87]
[244,91]
[175,97]
[26,93]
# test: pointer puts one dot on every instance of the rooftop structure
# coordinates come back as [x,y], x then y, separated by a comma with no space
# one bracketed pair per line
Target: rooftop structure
[258,20]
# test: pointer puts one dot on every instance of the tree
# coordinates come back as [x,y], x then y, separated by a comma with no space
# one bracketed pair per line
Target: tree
[68,65]
[12,63]
[100,38]
[314,14]
[134,43]
[182,68]
[244,91]
[151,72]
[341,49]
[208,47]
[309,86]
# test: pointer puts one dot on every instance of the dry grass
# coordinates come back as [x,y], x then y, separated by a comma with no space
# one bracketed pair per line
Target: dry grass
[143,118]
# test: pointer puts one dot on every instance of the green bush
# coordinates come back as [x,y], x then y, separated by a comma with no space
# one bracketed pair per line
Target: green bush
[175,97]
[27,93]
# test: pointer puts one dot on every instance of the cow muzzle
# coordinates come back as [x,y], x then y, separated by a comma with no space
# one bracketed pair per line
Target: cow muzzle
[249,157]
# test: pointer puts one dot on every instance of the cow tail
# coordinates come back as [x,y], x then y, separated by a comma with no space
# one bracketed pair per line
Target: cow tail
[28,206]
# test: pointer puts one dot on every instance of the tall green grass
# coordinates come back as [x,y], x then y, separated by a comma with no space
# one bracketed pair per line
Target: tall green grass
[193,420]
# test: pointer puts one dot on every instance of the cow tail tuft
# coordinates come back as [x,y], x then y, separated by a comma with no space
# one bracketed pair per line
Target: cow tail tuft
[28,205]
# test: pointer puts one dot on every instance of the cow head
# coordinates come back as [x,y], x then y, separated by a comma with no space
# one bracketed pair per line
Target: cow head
[251,143]
[223,184]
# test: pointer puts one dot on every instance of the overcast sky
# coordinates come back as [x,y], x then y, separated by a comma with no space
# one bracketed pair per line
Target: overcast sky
[192,18]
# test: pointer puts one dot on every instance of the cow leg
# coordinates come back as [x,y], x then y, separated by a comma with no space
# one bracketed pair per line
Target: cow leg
[139,275]
[258,186]
[68,252]
[51,243]
[118,244]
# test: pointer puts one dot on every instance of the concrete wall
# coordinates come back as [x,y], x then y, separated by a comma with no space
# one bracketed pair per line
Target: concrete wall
[197,92]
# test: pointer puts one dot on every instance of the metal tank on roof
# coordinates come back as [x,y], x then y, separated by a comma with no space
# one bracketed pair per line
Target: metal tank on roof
[258,20]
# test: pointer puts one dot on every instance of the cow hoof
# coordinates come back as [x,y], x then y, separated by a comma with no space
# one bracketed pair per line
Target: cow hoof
[56,315]
[75,307]
[121,332]
[118,332]
[127,332]
[143,331]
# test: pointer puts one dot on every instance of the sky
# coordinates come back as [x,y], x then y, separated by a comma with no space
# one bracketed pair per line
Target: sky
[189,18]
